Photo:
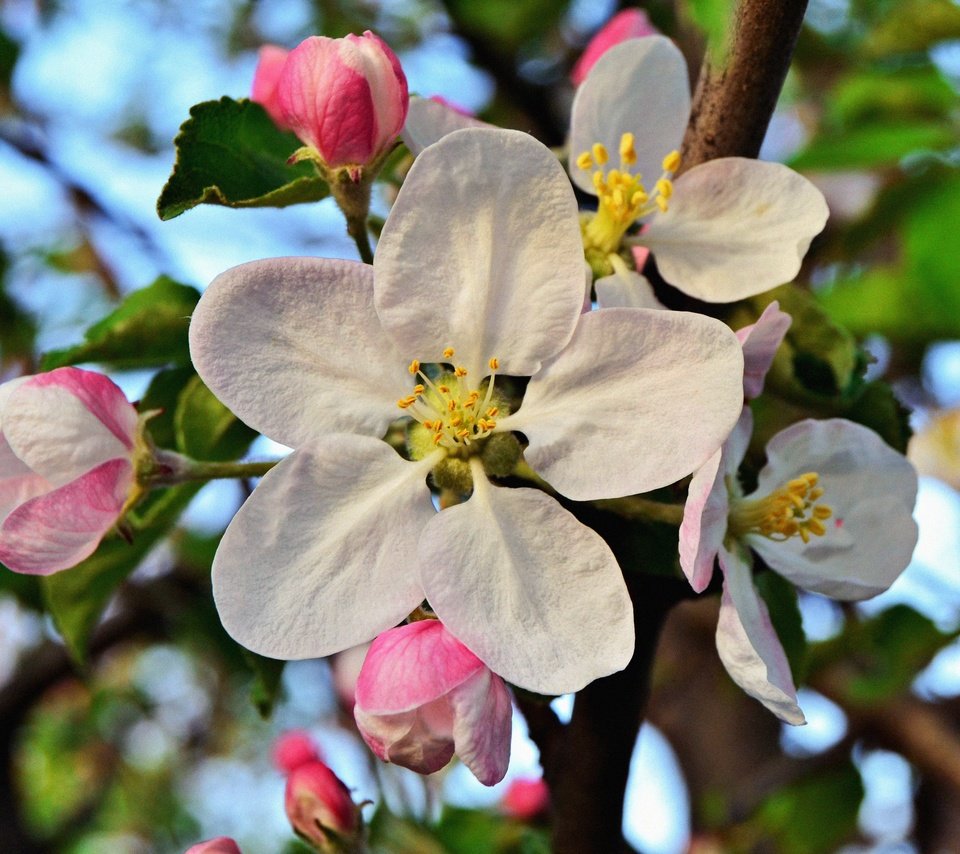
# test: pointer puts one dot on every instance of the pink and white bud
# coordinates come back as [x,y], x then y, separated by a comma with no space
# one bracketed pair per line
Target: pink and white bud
[320,808]
[346,98]
[628,24]
[270,62]
[67,444]
[526,798]
[293,749]
[423,696]
[220,845]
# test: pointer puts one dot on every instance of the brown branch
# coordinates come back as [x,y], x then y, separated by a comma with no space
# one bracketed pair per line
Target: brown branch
[740,83]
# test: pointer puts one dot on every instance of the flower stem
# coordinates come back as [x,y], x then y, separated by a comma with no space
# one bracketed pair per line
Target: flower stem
[169,467]
[638,507]
[357,229]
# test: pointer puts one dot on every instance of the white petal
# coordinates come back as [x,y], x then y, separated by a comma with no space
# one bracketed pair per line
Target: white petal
[748,645]
[704,522]
[735,227]
[18,482]
[638,86]
[429,121]
[636,401]
[871,489]
[482,253]
[536,595]
[760,341]
[626,290]
[322,556]
[62,430]
[294,347]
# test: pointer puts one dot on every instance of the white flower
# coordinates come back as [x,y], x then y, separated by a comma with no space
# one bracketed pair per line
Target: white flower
[726,229]
[831,513]
[479,273]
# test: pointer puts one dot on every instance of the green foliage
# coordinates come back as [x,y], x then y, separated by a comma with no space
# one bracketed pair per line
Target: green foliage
[913,25]
[506,23]
[9,53]
[231,153]
[161,398]
[867,146]
[76,598]
[148,329]
[205,429]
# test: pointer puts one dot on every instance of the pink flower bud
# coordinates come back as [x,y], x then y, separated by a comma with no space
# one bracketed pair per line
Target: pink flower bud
[264,90]
[220,845]
[628,24]
[67,443]
[293,749]
[346,98]
[423,696]
[526,798]
[320,808]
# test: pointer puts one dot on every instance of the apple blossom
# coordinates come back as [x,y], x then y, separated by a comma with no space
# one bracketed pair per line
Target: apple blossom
[473,279]
[294,748]
[68,439]
[626,24]
[726,229]
[219,845]
[423,696]
[831,513]
[345,98]
[270,62]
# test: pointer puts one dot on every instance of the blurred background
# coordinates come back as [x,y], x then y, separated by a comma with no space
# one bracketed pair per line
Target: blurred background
[156,739]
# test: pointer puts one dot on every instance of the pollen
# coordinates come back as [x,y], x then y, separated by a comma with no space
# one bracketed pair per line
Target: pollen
[623,197]
[787,512]
[448,353]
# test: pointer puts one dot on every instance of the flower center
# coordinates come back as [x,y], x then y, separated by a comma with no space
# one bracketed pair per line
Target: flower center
[454,415]
[623,196]
[790,511]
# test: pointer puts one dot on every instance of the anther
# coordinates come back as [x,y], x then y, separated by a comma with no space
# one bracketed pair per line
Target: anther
[585,161]
[665,187]
[671,163]
[628,154]
[414,366]
[460,371]
[494,364]
[600,153]
[448,352]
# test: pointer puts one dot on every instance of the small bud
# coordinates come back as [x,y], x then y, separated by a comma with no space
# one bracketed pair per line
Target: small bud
[220,845]
[346,98]
[293,749]
[320,809]
[270,63]
[423,696]
[526,798]
[628,24]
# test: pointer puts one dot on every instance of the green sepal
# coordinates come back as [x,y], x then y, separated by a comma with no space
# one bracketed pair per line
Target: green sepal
[149,328]
[231,153]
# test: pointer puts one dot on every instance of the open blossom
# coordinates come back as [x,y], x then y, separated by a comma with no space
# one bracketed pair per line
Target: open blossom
[626,24]
[345,98]
[270,62]
[67,444]
[726,229]
[423,696]
[473,279]
[831,513]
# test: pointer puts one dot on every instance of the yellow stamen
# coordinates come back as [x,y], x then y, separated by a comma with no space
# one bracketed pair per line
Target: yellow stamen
[448,352]
[460,371]
[786,512]
[628,154]
[414,366]
[494,363]
[585,161]
[600,154]
[671,163]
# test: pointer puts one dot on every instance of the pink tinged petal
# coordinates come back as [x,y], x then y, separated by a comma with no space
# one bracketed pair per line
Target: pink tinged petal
[482,725]
[627,24]
[760,342]
[748,645]
[538,596]
[871,489]
[294,347]
[626,290]
[638,86]
[59,529]
[735,227]
[220,845]
[421,740]
[636,401]
[482,252]
[270,61]
[322,556]
[66,422]
[18,482]
[430,120]
[347,98]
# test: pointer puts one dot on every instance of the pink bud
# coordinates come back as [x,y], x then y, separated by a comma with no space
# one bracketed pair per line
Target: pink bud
[220,845]
[319,806]
[67,443]
[526,798]
[293,749]
[264,90]
[628,24]
[423,696]
[347,98]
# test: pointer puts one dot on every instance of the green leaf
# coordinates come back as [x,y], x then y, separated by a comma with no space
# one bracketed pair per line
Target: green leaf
[396,835]
[880,143]
[9,53]
[267,673]
[874,95]
[231,153]
[205,429]
[149,328]
[76,598]
[506,23]
[815,815]
[781,599]
[914,25]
